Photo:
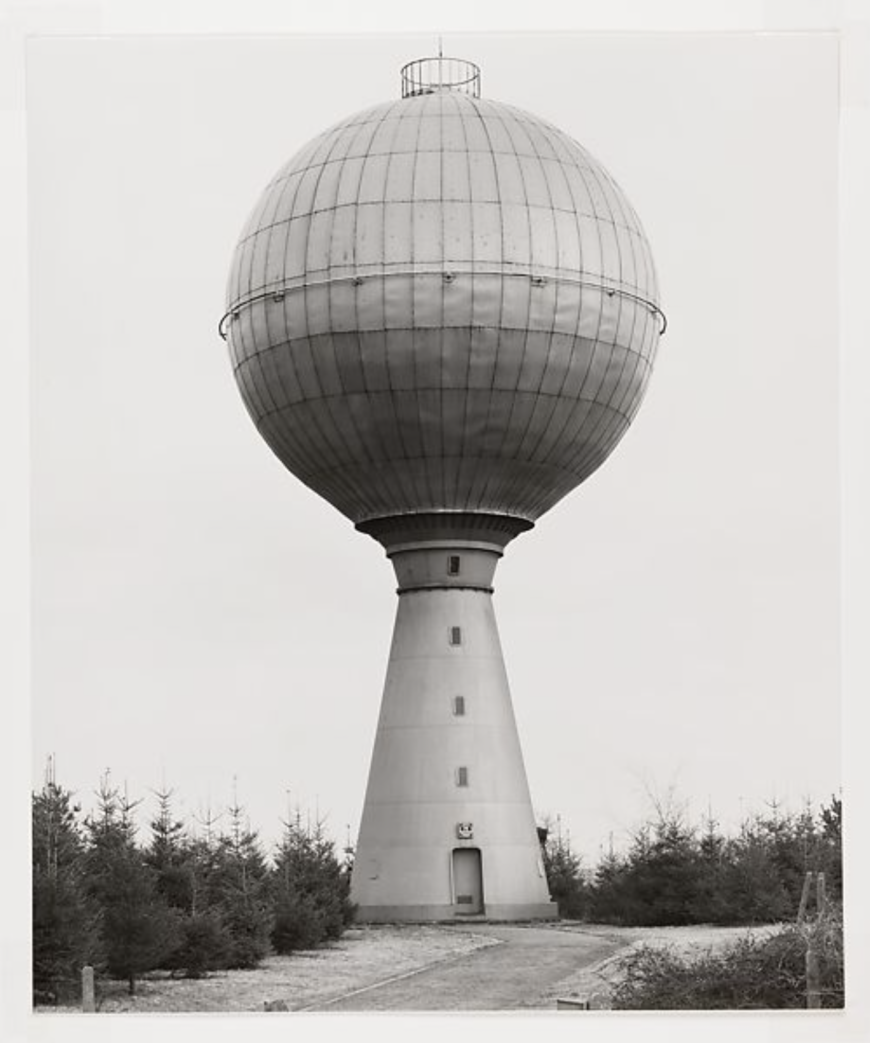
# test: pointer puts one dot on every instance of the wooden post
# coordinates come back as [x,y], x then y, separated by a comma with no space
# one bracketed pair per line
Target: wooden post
[814,985]
[88,1003]
[821,895]
[805,897]
[814,989]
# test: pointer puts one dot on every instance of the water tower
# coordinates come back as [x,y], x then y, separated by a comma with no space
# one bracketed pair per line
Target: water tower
[442,315]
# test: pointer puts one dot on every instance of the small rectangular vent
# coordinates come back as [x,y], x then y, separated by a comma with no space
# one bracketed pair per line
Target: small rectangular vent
[459,705]
[462,776]
[456,635]
[464,899]
[453,565]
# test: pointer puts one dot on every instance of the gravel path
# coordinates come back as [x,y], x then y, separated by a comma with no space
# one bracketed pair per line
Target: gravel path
[518,973]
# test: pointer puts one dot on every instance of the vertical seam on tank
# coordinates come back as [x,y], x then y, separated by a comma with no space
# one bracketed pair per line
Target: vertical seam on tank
[466,499]
[490,489]
[317,451]
[538,393]
[263,236]
[412,393]
[353,486]
[505,483]
[342,443]
[393,393]
[551,132]
[442,291]
[484,489]
[637,310]
[388,474]
[300,434]
[566,455]
[280,435]
[357,487]
[600,425]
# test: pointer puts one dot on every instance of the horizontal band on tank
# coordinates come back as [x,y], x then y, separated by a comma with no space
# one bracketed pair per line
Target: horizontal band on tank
[279,291]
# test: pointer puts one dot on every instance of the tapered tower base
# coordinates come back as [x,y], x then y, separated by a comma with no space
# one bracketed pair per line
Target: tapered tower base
[447,829]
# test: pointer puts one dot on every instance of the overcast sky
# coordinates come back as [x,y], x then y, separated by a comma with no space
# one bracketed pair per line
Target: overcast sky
[200,615]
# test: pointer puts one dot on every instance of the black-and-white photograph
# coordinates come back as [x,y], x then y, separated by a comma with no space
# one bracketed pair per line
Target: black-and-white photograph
[435,523]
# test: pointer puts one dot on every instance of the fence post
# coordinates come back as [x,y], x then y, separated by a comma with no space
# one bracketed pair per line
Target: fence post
[814,990]
[821,894]
[88,1004]
[814,985]
[805,897]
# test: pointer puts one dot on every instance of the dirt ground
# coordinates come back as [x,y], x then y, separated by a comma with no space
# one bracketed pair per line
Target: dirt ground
[371,963]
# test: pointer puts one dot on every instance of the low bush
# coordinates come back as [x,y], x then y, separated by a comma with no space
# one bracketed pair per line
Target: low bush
[299,924]
[206,945]
[751,973]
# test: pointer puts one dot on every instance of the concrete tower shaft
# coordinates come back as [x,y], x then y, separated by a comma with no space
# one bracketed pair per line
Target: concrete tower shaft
[447,828]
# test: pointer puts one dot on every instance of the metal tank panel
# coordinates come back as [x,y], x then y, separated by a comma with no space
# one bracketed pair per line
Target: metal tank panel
[442,304]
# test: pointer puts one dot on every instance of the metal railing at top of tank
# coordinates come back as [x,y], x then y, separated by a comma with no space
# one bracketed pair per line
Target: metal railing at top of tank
[428,75]
[279,291]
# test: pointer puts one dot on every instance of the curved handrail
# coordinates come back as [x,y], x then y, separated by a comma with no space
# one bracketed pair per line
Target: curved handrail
[278,293]
[427,75]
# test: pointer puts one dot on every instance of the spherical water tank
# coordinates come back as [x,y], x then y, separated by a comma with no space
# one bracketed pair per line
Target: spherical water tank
[442,304]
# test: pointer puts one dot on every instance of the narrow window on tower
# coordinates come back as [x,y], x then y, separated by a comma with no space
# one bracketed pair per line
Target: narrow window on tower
[453,565]
[462,776]
[459,705]
[456,635]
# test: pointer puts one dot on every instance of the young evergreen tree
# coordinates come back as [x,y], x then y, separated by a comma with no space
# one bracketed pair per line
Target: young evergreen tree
[829,855]
[607,897]
[565,878]
[752,888]
[238,890]
[709,905]
[311,890]
[168,855]
[205,864]
[66,924]
[675,875]
[139,930]
[183,867]
[205,945]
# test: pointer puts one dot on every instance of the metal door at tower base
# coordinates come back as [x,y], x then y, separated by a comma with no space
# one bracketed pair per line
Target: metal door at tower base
[467,880]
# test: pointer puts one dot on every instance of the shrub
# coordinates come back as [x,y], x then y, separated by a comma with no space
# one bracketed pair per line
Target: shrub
[758,973]
[675,874]
[311,891]
[66,936]
[299,923]
[206,945]
[249,923]
[565,879]
[66,922]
